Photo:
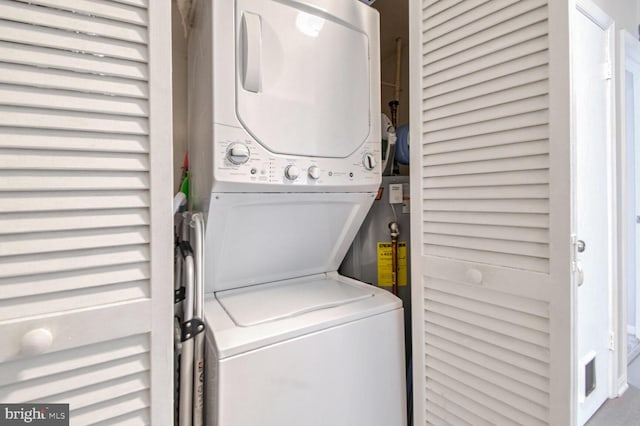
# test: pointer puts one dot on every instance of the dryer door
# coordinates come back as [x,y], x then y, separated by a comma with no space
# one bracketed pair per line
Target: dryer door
[303,75]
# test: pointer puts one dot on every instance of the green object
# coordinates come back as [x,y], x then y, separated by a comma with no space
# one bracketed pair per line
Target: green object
[184,185]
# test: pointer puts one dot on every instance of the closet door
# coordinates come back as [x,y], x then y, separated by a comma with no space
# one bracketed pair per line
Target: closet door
[491,242]
[85,220]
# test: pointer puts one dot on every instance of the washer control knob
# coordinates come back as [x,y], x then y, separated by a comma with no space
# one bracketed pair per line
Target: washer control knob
[314,172]
[291,172]
[238,153]
[369,161]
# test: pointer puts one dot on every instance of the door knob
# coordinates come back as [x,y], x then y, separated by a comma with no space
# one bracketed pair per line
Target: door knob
[581,246]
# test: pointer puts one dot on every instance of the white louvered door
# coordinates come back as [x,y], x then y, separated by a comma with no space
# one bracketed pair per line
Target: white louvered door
[490,212]
[85,208]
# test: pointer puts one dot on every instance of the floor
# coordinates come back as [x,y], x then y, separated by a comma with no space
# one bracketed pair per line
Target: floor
[623,411]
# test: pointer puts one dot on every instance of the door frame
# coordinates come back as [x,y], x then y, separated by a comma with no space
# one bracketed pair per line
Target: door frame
[607,24]
[630,62]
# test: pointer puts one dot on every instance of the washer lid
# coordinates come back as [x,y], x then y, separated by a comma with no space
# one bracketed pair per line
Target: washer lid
[255,305]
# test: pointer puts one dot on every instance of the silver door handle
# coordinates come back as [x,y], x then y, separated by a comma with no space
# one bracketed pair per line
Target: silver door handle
[581,246]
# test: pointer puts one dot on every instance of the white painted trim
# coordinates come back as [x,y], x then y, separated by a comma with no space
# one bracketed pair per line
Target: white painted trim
[417,285]
[161,177]
[562,297]
[630,61]
[631,329]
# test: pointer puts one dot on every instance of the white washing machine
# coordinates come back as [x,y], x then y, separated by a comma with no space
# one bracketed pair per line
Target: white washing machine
[284,103]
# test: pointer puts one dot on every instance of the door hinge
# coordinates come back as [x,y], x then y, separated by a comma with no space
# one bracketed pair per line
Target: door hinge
[612,341]
[608,70]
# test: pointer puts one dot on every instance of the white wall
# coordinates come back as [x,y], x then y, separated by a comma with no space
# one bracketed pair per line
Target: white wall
[626,13]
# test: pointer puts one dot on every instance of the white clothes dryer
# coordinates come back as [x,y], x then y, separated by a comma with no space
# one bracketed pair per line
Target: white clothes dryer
[284,110]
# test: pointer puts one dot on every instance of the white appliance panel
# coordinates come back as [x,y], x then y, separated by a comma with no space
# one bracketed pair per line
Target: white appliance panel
[316,110]
[265,171]
[351,374]
[270,302]
[303,79]
[254,238]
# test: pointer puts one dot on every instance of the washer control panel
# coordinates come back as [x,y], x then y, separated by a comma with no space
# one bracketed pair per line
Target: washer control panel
[239,158]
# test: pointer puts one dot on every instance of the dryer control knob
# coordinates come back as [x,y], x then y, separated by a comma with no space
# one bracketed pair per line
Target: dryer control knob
[314,172]
[238,153]
[369,161]
[292,172]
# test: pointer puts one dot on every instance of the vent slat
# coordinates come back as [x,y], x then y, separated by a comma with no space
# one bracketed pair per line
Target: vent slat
[31,285]
[18,159]
[475,193]
[46,242]
[508,34]
[53,59]
[18,180]
[70,201]
[116,11]
[507,260]
[506,219]
[36,15]
[530,67]
[482,114]
[30,76]
[104,411]
[71,220]
[60,140]
[33,118]
[64,100]
[49,263]
[66,40]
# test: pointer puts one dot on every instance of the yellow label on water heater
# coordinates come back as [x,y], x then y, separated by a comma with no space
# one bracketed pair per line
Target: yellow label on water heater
[385,264]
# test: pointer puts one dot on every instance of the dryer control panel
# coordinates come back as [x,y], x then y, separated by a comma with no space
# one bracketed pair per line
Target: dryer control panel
[238,158]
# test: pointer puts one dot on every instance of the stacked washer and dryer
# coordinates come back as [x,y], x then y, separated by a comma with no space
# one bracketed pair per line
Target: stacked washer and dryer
[285,159]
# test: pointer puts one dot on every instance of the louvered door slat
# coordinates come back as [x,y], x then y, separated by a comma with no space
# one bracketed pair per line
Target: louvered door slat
[60,201]
[476,21]
[72,22]
[474,141]
[515,163]
[513,70]
[87,396]
[514,49]
[31,285]
[512,150]
[46,242]
[66,160]
[53,58]
[111,408]
[25,75]
[454,413]
[69,261]
[115,10]
[84,239]
[499,367]
[66,40]
[71,120]
[489,203]
[69,181]
[482,114]
[71,101]
[65,221]
[439,12]
[29,138]
[497,93]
